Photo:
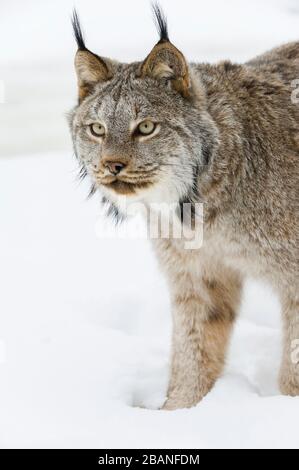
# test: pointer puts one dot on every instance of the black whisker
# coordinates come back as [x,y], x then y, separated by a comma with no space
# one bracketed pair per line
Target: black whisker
[82,173]
[92,191]
[113,211]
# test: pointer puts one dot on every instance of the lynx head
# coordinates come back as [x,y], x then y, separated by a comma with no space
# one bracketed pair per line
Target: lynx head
[140,129]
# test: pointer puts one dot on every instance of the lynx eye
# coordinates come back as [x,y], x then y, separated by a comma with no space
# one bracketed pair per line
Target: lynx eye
[146,127]
[97,129]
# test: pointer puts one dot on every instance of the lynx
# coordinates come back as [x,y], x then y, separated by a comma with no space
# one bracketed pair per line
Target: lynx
[227,135]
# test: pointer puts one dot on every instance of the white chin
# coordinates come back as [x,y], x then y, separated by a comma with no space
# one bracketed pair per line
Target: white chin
[158,193]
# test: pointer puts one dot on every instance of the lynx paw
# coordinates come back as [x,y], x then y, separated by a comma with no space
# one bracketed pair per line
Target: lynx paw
[289,388]
[180,402]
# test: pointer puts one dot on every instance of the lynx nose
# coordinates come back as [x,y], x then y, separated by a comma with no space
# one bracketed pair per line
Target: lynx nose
[114,167]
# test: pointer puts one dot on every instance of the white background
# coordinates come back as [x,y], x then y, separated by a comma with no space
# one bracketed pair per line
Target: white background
[85,322]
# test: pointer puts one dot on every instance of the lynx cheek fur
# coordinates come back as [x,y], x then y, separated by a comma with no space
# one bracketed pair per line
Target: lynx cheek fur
[226,135]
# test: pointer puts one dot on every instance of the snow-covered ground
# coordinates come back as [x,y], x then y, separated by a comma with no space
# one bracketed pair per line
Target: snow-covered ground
[85,321]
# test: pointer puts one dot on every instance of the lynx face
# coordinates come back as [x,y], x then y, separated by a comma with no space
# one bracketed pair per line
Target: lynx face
[136,127]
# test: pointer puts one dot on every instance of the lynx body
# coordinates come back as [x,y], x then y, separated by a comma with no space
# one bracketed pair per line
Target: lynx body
[225,135]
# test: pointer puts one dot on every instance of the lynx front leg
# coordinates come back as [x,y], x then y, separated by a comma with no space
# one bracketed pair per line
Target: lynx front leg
[203,316]
[289,372]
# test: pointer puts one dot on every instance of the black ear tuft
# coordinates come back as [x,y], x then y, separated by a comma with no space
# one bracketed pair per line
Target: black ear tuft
[78,32]
[161,22]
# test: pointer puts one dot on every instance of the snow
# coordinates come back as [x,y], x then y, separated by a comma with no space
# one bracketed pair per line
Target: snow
[85,320]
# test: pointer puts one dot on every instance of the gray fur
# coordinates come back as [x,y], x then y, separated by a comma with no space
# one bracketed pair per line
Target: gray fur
[229,137]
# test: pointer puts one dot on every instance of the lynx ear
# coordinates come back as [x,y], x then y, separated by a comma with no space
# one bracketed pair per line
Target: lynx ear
[165,61]
[90,68]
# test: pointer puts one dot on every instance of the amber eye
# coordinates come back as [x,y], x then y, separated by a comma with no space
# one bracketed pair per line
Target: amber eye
[146,127]
[97,129]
